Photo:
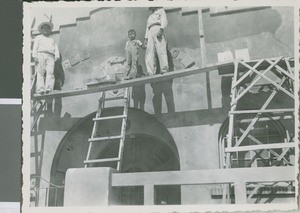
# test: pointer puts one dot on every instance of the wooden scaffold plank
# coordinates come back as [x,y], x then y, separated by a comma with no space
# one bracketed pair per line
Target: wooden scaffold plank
[133,82]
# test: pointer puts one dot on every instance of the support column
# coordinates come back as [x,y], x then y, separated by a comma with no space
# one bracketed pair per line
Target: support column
[89,187]
[148,195]
[240,192]
[202,40]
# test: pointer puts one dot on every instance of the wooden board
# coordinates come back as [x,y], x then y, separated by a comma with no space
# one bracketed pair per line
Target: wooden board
[129,83]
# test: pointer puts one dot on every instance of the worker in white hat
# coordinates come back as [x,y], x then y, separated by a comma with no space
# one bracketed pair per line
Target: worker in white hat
[156,41]
[45,53]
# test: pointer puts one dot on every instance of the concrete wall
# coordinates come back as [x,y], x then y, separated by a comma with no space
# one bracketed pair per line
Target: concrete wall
[198,99]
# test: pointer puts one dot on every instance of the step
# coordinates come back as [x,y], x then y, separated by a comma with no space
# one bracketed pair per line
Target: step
[105,138]
[109,117]
[113,98]
[260,147]
[32,114]
[36,133]
[35,154]
[101,160]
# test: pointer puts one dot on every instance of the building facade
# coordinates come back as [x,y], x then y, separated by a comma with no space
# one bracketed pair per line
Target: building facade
[189,138]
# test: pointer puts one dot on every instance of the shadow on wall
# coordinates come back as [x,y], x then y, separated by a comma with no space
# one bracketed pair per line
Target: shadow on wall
[163,87]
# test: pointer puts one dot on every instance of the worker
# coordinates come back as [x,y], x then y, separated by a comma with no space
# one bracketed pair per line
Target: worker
[132,54]
[45,53]
[156,41]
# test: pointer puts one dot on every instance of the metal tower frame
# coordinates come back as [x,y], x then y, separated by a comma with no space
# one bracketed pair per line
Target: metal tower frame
[246,76]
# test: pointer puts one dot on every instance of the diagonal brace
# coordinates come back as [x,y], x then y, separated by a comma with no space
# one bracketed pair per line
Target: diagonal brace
[247,74]
[254,81]
[260,143]
[269,80]
[253,122]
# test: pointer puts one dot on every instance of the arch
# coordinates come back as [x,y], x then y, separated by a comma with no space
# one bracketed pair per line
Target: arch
[151,141]
[279,131]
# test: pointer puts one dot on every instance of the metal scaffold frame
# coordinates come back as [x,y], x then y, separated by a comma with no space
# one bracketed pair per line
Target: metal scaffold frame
[282,68]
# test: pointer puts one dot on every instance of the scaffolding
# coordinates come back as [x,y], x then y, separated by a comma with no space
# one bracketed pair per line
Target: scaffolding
[276,76]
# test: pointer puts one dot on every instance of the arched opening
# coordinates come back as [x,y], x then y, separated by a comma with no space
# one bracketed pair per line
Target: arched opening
[270,129]
[267,131]
[148,147]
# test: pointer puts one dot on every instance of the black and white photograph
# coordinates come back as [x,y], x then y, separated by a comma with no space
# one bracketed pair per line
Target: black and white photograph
[145,107]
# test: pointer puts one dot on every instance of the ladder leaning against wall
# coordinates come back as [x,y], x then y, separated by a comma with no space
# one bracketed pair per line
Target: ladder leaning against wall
[36,155]
[98,118]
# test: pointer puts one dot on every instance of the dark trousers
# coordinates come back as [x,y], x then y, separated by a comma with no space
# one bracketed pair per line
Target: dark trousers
[159,88]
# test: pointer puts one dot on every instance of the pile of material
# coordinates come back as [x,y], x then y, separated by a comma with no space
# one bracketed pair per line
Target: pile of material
[111,71]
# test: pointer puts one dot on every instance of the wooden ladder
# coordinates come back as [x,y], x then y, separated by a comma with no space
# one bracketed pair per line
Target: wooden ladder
[94,138]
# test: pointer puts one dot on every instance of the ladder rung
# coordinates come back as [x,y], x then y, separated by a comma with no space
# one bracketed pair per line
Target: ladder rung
[105,138]
[35,154]
[109,117]
[101,160]
[113,98]
[36,133]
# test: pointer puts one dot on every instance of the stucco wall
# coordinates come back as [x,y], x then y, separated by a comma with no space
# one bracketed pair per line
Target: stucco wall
[266,33]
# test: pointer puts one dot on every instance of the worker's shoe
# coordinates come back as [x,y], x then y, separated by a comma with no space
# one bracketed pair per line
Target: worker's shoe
[128,78]
[41,92]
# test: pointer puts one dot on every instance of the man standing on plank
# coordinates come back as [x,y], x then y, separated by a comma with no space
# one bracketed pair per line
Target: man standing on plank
[45,53]
[156,41]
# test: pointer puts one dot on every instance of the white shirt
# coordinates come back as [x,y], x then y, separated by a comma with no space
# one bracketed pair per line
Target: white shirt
[136,43]
[44,44]
[159,16]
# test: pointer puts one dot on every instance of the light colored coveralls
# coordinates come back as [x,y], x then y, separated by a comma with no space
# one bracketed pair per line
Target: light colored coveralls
[46,50]
[155,45]
[132,56]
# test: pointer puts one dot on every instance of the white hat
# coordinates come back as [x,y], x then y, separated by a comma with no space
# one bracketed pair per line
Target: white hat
[45,23]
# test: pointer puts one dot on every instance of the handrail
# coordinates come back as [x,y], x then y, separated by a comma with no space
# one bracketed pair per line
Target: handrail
[51,184]
[238,176]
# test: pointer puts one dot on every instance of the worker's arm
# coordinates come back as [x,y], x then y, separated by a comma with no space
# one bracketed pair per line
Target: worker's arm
[125,50]
[145,43]
[56,52]
[163,18]
[140,44]
[146,34]
[163,22]
[34,49]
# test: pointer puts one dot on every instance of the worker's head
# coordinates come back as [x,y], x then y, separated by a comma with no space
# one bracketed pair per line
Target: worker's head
[45,28]
[131,34]
[153,9]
